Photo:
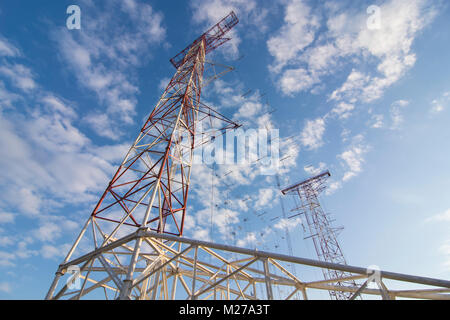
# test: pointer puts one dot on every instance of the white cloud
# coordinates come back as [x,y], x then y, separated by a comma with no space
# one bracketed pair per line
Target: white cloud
[377,121]
[289,152]
[52,228]
[345,134]
[442,217]
[311,170]
[391,45]
[6,217]
[55,132]
[23,252]
[303,56]
[57,105]
[295,80]
[47,162]
[6,241]
[288,224]
[222,219]
[202,234]
[350,89]
[212,214]
[189,220]
[343,110]
[19,75]
[445,248]
[28,201]
[238,204]
[163,84]
[7,98]
[248,110]
[36,150]
[104,57]
[48,232]
[112,87]
[18,167]
[203,180]
[49,251]
[5,286]
[249,239]
[7,49]
[396,113]
[265,198]
[353,159]
[297,32]
[440,104]
[332,187]
[7,259]
[437,108]
[252,112]
[103,125]
[88,173]
[112,153]
[312,134]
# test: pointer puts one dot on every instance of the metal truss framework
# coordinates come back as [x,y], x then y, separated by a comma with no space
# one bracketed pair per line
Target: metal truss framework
[150,188]
[320,229]
[179,268]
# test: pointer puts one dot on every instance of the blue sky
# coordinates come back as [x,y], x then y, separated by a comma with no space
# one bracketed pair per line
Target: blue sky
[370,105]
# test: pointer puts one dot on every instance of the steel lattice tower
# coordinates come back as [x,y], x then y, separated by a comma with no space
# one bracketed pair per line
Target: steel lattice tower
[150,188]
[320,228]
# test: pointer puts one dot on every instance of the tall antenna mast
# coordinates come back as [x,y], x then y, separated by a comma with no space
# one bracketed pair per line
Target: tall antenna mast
[149,190]
[320,228]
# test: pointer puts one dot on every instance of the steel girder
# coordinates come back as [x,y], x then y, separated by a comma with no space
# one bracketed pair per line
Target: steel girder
[170,267]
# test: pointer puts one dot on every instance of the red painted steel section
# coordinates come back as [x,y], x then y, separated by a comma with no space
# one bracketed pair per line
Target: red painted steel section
[214,38]
[153,158]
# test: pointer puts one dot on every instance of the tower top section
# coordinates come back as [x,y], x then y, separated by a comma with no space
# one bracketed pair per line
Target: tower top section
[317,180]
[213,38]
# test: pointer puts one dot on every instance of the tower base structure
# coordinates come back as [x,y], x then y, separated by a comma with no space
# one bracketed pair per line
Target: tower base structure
[171,267]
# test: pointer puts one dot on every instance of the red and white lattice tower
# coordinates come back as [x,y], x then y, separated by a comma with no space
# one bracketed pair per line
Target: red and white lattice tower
[149,190]
[320,229]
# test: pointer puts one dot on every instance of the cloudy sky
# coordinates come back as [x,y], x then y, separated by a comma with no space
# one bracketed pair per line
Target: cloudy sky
[359,90]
